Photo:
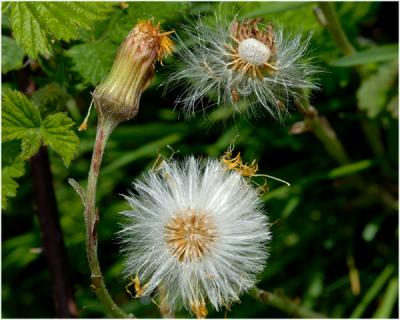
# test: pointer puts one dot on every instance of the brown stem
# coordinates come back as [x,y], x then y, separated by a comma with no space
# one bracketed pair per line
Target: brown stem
[53,243]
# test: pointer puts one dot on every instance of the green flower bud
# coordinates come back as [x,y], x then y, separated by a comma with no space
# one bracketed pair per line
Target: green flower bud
[118,95]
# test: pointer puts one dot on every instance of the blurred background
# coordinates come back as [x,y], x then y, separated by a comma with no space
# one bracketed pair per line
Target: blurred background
[335,230]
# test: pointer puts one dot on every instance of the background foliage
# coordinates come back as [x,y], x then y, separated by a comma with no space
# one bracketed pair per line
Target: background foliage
[334,226]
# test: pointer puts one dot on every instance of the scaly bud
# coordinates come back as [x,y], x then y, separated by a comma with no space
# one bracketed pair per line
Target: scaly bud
[119,94]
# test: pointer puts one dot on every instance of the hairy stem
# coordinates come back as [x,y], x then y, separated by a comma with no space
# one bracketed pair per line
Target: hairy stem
[53,242]
[104,129]
[283,303]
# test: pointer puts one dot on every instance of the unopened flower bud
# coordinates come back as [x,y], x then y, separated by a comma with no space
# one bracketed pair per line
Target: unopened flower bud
[118,95]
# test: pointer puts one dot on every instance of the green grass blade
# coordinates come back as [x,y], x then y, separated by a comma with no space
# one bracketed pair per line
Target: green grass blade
[372,292]
[389,300]
[376,54]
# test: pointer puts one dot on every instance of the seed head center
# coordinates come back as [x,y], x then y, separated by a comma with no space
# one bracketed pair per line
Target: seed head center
[189,235]
[254,51]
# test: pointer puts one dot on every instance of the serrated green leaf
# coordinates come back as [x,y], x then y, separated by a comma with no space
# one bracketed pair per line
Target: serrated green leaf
[93,60]
[28,32]
[376,54]
[22,120]
[373,93]
[19,114]
[34,23]
[12,55]
[12,167]
[58,135]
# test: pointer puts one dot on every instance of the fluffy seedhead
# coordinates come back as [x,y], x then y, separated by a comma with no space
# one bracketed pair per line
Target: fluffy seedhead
[197,230]
[240,63]
[119,94]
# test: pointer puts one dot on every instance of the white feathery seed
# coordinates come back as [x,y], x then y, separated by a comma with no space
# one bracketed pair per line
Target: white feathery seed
[198,231]
[210,76]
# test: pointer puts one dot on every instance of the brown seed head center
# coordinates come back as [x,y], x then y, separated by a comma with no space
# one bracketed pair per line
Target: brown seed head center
[189,235]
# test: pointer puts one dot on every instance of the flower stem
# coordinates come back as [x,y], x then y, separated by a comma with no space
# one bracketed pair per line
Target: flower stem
[104,129]
[322,130]
[335,28]
[283,303]
[370,128]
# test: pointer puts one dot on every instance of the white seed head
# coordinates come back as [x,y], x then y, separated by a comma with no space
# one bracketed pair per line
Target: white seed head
[240,64]
[198,231]
[254,51]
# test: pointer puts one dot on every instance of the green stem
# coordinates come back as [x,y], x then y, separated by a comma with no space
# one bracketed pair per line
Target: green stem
[324,133]
[335,28]
[322,130]
[370,128]
[104,129]
[283,303]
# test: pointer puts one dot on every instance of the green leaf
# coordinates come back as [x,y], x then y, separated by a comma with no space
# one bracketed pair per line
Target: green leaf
[28,31]
[372,292]
[93,60]
[376,54]
[152,10]
[12,167]
[388,301]
[35,23]
[58,135]
[12,55]
[373,93]
[22,120]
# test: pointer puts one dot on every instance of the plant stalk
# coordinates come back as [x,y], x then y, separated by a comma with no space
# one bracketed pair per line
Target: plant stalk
[53,242]
[370,128]
[335,28]
[104,128]
[322,130]
[283,303]
[324,133]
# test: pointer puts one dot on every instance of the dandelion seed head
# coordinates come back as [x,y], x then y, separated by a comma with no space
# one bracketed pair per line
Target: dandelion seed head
[240,63]
[196,229]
